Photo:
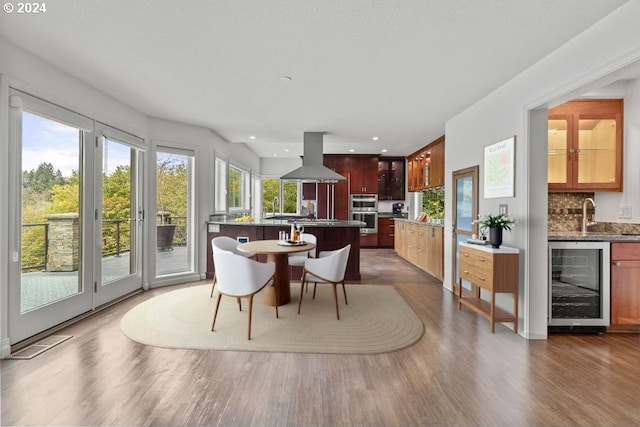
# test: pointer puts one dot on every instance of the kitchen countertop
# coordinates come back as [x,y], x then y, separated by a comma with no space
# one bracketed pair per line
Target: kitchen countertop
[594,236]
[307,222]
[392,215]
[419,222]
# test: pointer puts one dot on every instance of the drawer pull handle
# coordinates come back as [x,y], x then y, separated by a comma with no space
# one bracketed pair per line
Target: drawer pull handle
[482,278]
[466,272]
[465,254]
[482,260]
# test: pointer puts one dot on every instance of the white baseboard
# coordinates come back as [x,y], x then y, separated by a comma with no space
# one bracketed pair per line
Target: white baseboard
[5,348]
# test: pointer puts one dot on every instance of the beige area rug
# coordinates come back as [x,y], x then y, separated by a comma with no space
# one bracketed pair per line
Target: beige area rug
[377,320]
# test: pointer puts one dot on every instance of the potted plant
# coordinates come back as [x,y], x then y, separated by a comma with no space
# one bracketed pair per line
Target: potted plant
[495,224]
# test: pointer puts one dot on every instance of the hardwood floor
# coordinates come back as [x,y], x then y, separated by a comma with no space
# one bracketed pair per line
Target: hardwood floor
[457,374]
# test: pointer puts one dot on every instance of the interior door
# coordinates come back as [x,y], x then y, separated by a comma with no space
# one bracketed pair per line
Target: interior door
[465,211]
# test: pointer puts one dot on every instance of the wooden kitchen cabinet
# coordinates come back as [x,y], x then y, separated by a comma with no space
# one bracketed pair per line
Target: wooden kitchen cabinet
[426,166]
[334,205]
[391,178]
[386,232]
[585,145]
[364,174]
[495,271]
[411,251]
[625,283]
[369,240]
[421,244]
[436,161]
[399,238]
[309,191]
[435,251]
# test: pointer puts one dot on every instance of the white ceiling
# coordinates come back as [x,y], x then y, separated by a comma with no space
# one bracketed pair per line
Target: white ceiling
[360,68]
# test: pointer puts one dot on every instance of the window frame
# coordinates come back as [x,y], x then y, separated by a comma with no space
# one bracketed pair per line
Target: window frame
[245,189]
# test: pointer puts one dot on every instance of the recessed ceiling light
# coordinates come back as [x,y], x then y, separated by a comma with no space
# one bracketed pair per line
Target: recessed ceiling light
[384,150]
[375,138]
[275,155]
[286,150]
[351,150]
[284,78]
[252,137]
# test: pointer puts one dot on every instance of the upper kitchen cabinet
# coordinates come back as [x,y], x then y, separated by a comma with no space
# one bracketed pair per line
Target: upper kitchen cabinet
[436,161]
[391,178]
[585,145]
[426,166]
[364,174]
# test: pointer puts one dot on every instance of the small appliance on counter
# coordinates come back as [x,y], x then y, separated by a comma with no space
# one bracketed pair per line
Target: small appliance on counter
[397,209]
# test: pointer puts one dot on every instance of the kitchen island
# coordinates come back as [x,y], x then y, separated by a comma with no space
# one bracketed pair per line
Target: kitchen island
[331,235]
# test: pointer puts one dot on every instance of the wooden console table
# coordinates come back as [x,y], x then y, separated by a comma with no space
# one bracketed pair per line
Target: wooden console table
[496,271]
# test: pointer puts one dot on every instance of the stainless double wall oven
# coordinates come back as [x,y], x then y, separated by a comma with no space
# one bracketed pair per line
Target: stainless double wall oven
[364,207]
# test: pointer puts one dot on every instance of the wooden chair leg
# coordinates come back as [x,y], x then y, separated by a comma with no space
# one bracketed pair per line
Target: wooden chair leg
[213,285]
[239,303]
[301,291]
[275,294]
[314,289]
[345,293]
[335,299]
[250,310]
[215,313]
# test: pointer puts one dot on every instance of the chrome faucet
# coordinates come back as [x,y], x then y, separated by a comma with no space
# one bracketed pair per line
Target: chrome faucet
[275,199]
[585,222]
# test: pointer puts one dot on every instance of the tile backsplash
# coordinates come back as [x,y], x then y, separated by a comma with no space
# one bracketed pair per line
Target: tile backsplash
[565,214]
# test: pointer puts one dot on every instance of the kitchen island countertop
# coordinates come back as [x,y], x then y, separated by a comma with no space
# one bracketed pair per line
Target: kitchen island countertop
[307,222]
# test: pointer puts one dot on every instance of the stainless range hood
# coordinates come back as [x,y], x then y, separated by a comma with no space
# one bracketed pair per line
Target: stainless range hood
[312,169]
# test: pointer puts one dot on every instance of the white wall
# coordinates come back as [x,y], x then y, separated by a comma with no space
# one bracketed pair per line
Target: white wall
[608,204]
[276,167]
[570,71]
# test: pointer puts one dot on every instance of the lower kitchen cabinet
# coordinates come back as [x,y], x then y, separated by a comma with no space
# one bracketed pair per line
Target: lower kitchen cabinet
[368,240]
[422,245]
[625,284]
[386,232]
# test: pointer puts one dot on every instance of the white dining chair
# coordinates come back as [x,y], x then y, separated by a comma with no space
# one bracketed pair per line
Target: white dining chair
[329,267]
[297,259]
[225,244]
[241,277]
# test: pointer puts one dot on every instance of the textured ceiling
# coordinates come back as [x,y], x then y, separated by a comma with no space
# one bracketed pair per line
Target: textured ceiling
[360,68]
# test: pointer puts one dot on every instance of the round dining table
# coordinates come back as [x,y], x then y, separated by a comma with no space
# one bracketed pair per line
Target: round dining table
[277,252]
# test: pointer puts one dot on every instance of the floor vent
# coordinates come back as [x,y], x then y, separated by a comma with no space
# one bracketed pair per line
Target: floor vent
[40,347]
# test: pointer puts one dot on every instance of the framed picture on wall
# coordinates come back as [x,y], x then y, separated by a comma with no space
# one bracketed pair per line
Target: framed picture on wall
[499,169]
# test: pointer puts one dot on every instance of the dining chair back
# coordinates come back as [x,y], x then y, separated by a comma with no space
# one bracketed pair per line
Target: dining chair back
[225,244]
[241,277]
[329,267]
[297,259]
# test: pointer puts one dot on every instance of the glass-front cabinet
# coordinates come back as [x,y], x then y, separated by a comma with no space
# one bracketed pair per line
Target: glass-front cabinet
[585,146]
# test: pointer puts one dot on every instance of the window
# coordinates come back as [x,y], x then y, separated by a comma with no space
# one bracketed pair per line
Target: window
[220,185]
[289,197]
[279,196]
[239,189]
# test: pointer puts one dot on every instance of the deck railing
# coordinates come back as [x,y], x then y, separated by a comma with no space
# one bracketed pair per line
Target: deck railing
[116,239]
